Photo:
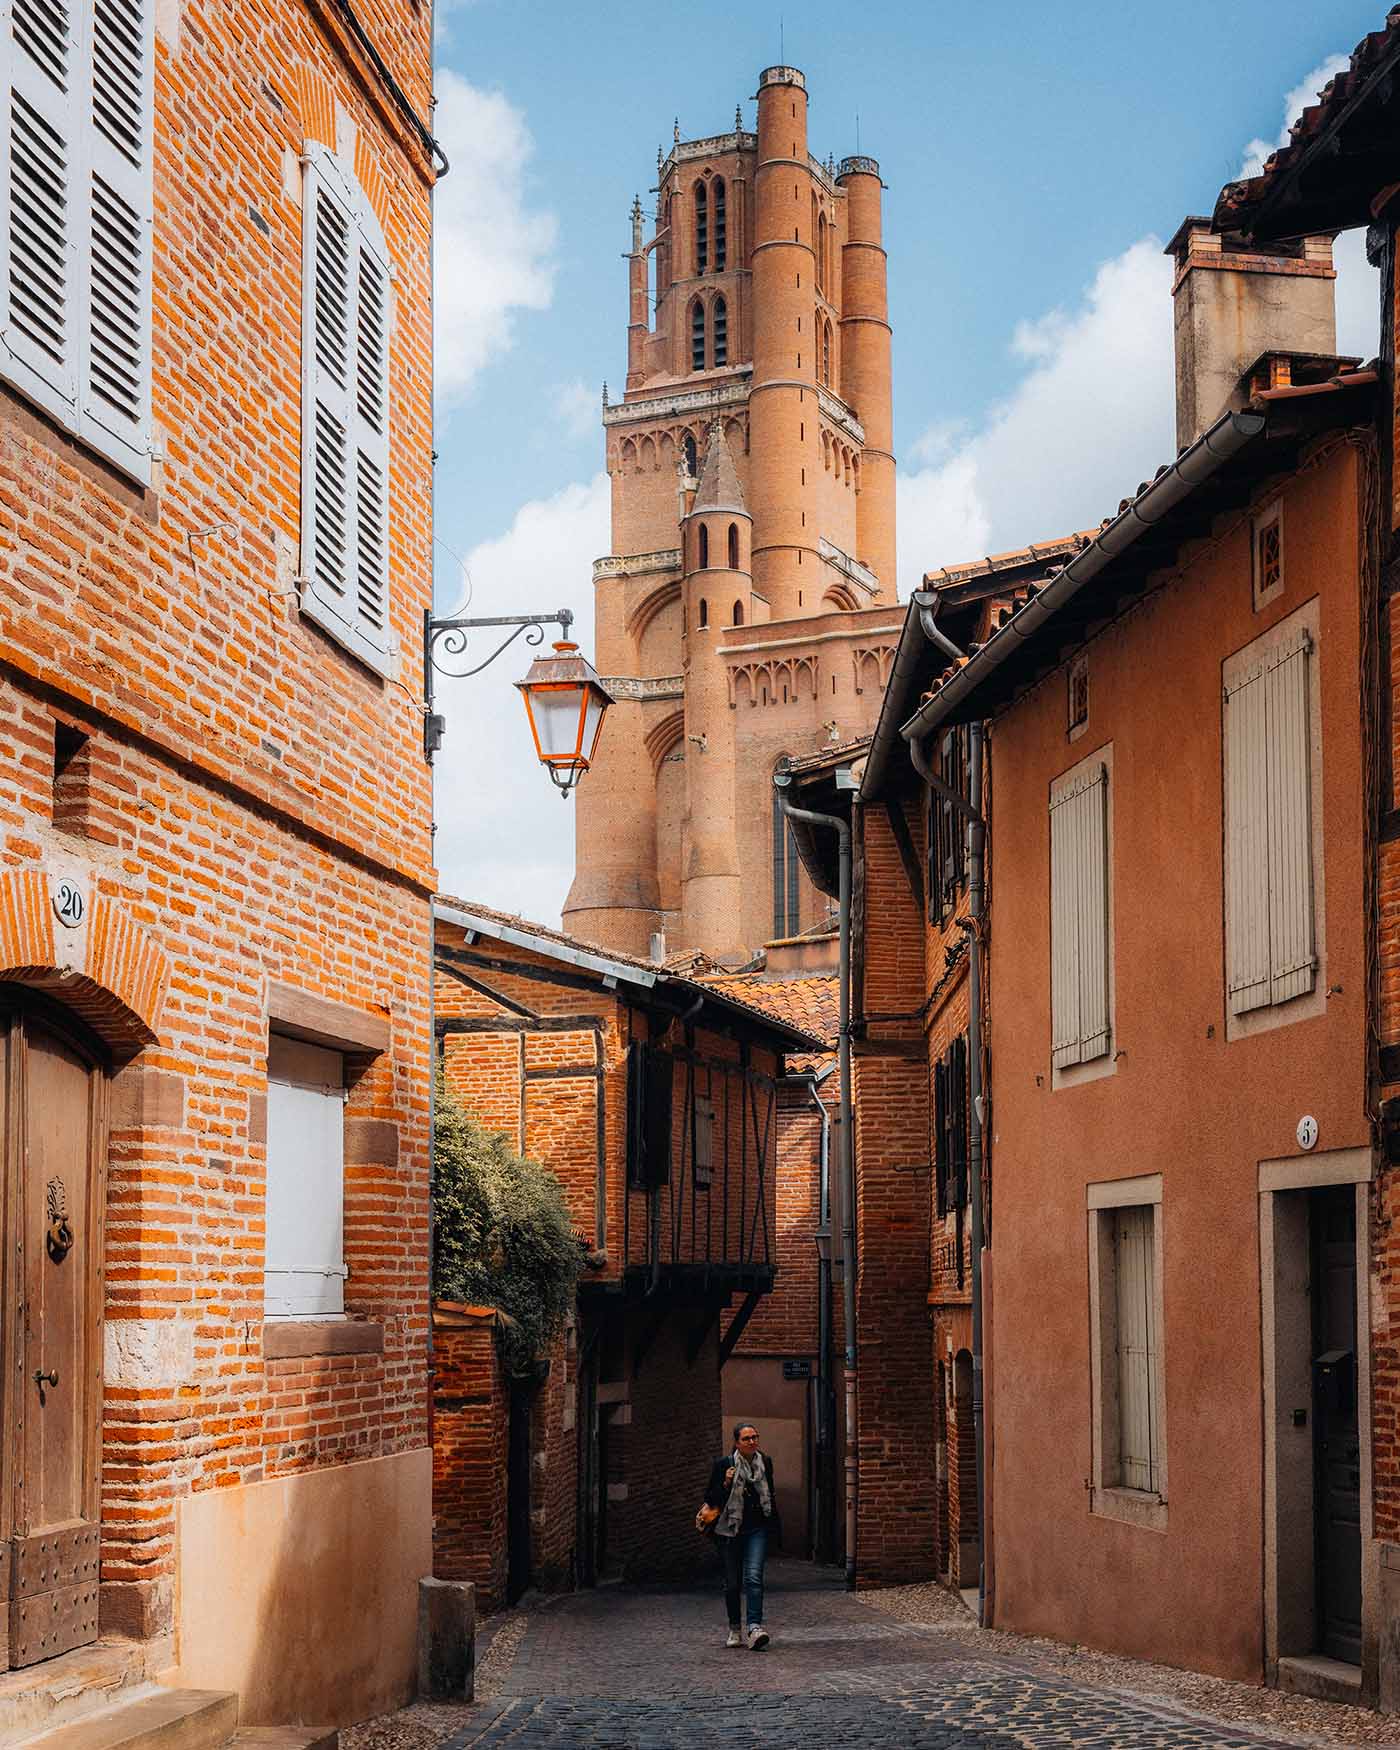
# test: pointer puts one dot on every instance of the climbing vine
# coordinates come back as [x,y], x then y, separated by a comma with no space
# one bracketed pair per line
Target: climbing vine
[501,1229]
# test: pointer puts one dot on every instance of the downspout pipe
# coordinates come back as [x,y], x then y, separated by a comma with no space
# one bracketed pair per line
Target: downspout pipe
[826,1525]
[971,810]
[782,781]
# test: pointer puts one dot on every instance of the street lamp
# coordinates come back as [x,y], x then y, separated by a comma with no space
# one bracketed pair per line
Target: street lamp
[564,699]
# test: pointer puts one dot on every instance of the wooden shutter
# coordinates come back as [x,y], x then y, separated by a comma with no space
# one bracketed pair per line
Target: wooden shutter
[75,191]
[304,1259]
[1136,1324]
[656,1117]
[1270,950]
[957,1116]
[1079,919]
[345,412]
[940,1133]
[114,383]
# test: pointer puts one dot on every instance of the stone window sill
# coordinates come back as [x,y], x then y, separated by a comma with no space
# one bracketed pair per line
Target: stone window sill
[285,1339]
[1130,1507]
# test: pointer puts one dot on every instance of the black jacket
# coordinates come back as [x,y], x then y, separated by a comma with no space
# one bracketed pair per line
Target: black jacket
[717,1494]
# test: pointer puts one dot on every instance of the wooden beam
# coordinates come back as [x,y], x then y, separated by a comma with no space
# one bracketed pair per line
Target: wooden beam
[899,826]
[736,1325]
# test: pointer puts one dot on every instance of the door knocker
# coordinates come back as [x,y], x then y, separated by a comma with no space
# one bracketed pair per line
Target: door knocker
[59,1239]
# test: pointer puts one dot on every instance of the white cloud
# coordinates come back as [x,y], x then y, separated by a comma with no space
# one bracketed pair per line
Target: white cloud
[493,251]
[576,407]
[504,837]
[1090,419]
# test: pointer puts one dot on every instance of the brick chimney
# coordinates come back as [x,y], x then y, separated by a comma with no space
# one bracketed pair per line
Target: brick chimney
[1233,302]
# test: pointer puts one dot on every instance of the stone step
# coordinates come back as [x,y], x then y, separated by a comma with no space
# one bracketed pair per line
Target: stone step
[285,1738]
[151,1718]
[37,1698]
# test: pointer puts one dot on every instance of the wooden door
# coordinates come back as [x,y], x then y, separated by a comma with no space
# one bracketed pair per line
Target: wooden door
[54,1148]
[1336,1428]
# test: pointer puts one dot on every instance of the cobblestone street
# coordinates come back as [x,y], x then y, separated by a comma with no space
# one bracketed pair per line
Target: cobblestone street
[646,1668]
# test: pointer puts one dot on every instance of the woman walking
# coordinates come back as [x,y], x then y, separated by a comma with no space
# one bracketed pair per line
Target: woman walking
[741,1487]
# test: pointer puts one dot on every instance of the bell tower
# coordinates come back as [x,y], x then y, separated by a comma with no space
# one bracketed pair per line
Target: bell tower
[752,486]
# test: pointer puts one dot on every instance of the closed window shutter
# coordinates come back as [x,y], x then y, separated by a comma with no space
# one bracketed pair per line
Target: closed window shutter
[1079,919]
[304,1260]
[345,419]
[940,1133]
[115,352]
[76,194]
[42,189]
[1270,950]
[1133,1245]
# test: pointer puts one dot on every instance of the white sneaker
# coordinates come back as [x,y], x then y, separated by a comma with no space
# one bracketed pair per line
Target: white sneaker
[736,1638]
[758,1638]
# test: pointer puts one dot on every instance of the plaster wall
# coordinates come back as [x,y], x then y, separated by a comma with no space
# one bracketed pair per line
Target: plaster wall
[315,1618]
[1184,1101]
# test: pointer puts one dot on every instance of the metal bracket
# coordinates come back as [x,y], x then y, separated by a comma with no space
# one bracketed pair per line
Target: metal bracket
[452,632]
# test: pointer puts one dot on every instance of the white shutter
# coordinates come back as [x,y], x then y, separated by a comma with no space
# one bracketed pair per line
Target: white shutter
[1079,919]
[75,191]
[41,199]
[114,358]
[1270,954]
[345,419]
[304,1258]
[1135,1291]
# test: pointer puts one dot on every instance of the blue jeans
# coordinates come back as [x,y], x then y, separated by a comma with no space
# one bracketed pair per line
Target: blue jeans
[743,1559]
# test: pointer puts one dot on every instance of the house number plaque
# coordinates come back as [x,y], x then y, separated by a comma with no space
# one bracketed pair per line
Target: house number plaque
[69,902]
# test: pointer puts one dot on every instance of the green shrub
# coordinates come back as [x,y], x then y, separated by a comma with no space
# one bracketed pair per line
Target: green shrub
[501,1231]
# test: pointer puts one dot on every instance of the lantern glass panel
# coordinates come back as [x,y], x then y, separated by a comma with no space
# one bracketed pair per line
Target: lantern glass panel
[555,712]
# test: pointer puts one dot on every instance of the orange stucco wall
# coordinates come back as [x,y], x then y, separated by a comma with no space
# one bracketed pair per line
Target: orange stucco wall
[1182,1101]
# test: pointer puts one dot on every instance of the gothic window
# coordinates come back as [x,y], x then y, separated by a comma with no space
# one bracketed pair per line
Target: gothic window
[734,550]
[786,920]
[702,228]
[688,450]
[721,247]
[826,354]
[721,320]
[704,605]
[704,560]
[697,336]
[738,613]
[821,253]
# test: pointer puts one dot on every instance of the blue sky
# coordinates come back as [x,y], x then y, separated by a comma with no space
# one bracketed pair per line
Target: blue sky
[1036,160]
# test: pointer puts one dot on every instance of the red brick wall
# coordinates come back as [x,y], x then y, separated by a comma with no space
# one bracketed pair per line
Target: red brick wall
[554,1468]
[786,1320]
[471,1413]
[662,1454]
[257,803]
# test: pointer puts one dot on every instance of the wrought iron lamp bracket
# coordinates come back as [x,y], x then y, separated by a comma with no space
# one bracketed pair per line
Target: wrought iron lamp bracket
[452,634]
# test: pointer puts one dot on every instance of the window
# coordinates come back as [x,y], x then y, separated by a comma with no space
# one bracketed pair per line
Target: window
[650,1073]
[947,830]
[1268,556]
[1079,916]
[304,1267]
[704,612]
[734,557]
[345,412]
[688,451]
[697,336]
[702,229]
[703,1143]
[738,613]
[950,1126]
[826,353]
[76,195]
[1078,697]
[721,241]
[702,553]
[821,252]
[1125,1309]
[1270,951]
[721,326]
[786,918]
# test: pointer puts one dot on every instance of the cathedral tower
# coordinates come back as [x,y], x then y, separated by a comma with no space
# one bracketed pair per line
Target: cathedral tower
[745,612]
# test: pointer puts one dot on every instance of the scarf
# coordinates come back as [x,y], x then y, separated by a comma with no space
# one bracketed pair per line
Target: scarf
[745,1471]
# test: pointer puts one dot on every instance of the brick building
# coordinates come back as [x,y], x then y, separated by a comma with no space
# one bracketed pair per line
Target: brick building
[745,613]
[653,1097]
[215,854]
